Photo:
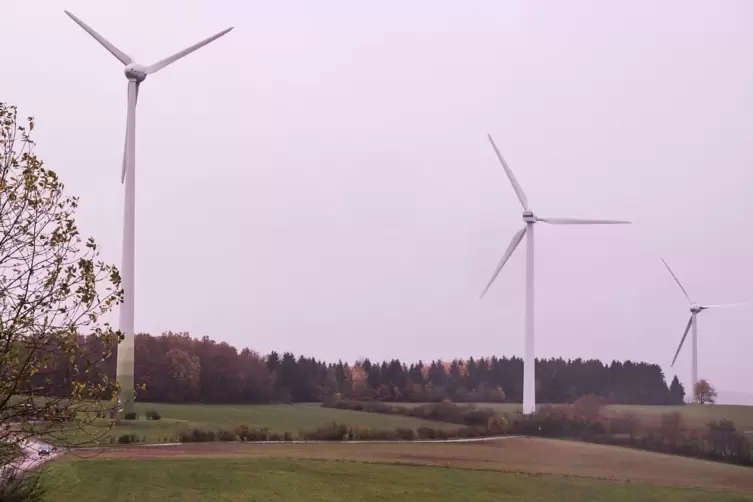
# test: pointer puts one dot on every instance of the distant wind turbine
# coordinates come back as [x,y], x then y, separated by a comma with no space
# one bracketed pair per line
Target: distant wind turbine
[695,309]
[136,74]
[529,382]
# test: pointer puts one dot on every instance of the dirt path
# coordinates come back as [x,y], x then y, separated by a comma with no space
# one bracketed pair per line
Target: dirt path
[514,454]
[29,459]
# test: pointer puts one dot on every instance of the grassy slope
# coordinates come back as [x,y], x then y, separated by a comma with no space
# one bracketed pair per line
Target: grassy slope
[306,480]
[278,418]
[530,455]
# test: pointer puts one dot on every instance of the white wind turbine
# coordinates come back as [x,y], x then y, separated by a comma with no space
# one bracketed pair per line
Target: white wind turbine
[136,74]
[529,375]
[695,309]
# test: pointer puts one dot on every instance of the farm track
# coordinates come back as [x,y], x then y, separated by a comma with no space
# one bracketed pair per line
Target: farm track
[381,441]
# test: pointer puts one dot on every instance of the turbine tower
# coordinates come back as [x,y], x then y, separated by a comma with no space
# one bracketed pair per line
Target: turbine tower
[529,375]
[136,74]
[695,309]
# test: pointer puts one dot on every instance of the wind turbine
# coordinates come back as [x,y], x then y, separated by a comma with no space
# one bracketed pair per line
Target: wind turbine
[136,74]
[529,382]
[695,309]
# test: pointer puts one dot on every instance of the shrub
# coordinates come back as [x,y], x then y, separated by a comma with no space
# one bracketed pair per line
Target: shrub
[624,423]
[288,437]
[258,434]
[242,431]
[672,427]
[467,432]
[366,434]
[496,424]
[153,415]
[224,435]
[245,433]
[588,407]
[128,439]
[331,432]
[131,415]
[557,422]
[197,435]
[16,487]
[424,432]
[405,434]
[723,425]
[274,437]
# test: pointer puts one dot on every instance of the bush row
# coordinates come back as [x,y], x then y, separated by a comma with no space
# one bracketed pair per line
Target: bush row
[468,415]
[583,420]
[343,432]
[132,415]
[331,432]
[133,438]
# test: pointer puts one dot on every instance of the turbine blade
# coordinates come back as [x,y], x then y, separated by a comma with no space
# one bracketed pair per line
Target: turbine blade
[515,185]
[510,249]
[684,335]
[577,221]
[677,280]
[185,52]
[724,305]
[122,56]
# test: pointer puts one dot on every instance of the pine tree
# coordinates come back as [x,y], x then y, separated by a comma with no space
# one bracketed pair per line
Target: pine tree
[676,392]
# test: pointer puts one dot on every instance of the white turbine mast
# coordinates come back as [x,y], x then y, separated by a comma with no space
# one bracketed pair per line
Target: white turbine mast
[136,74]
[529,375]
[695,309]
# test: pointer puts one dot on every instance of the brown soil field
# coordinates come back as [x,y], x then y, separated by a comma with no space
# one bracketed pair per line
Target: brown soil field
[529,455]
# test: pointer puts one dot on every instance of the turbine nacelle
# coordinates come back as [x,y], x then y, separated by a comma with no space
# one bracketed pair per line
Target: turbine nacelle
[695,308]
[529,217]
[135,72]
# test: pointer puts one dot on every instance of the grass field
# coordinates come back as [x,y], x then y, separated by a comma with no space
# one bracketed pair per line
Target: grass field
[532,469]
[278,418]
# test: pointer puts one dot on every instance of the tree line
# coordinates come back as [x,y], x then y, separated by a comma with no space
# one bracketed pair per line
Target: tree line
[174,367]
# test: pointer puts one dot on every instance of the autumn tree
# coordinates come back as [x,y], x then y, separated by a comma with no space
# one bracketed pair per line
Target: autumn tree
[185,371]
[54,294]
[588,407]
[704,393]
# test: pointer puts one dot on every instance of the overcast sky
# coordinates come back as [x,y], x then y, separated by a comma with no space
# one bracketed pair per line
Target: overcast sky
[319,180]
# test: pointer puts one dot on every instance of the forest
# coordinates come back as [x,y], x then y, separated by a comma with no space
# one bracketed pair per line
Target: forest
[174,367]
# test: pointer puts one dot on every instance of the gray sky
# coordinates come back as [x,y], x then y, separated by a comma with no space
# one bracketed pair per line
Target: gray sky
[319,180]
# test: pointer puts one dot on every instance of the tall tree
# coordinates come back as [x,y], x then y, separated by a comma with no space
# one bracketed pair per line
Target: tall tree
[54,293]
[676,392]
[185,373]
[704,393]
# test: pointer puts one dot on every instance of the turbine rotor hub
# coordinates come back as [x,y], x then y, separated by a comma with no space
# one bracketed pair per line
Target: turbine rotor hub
[135,72]
[695,308]
[529,217]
